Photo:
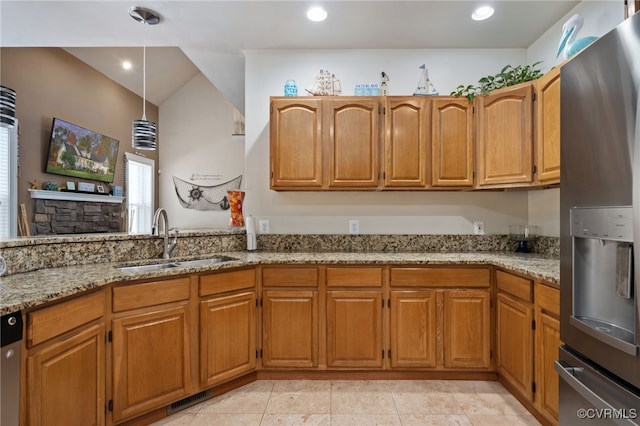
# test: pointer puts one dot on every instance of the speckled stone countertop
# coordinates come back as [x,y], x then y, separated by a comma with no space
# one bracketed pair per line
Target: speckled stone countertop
[29,289]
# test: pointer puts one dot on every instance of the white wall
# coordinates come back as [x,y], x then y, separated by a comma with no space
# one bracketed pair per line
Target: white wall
[195,138]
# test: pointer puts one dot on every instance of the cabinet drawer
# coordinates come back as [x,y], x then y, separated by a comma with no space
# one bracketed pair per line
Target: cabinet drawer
[440,277]
[150,294]
[227,281]
[290,277]
[548,299]
[50,322]
[354,277]
[515,285]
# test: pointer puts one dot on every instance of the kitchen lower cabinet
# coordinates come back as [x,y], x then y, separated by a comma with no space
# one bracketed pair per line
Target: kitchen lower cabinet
[440,317]
[515,327]
[290,328]
[65,363]
[413,328]
[547,342]
[151,345]
[467,329]
[354,328]
[227,325]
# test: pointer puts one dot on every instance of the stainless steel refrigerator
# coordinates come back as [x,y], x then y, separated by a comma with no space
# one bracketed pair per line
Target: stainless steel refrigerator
[599,363]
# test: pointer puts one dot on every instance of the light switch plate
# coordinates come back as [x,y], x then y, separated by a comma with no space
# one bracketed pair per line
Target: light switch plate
[478,228]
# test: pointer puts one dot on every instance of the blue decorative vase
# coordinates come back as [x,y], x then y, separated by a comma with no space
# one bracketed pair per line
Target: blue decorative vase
[290,88]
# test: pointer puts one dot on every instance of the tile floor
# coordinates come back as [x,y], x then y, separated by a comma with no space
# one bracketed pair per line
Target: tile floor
[355,403]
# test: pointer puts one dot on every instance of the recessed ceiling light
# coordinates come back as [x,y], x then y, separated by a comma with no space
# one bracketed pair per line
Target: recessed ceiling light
[126,65]
[317,14]
[482,13]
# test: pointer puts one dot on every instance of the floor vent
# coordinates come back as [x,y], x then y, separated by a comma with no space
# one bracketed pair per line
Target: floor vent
[189,401]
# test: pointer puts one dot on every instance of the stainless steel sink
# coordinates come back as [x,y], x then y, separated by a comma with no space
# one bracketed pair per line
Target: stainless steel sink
[154,267]
[184,264]
[208,261]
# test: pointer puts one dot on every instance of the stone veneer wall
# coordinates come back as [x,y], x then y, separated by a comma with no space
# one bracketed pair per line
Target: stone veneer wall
[53,217]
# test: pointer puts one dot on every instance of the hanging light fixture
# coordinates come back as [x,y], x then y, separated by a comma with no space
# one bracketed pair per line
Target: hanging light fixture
[7,107]
[143,133]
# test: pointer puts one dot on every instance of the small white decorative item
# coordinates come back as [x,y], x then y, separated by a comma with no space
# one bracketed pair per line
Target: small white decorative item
[425,88]
[101,189]
[384,78]
[569,46]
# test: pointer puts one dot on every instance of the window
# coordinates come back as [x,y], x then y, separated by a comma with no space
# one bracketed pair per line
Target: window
[8,182]
[139,184]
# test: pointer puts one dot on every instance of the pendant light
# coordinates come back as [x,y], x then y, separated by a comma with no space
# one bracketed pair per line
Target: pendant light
[7,107]
[143,133]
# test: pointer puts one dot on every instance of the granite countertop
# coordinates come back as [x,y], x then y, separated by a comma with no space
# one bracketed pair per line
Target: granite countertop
[29,289]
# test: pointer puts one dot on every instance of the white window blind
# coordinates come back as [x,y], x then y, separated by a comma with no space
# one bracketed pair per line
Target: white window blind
[8,182]
[139,182]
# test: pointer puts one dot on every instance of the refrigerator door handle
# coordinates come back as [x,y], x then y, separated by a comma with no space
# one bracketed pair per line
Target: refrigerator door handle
[569,373]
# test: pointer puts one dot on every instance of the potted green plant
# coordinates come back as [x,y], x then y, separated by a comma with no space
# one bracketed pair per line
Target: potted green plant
[508,76]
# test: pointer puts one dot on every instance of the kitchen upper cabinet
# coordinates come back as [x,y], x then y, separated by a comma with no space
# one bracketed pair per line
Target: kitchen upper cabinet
[514,339]
[505,137]
[296,141]
[352,141]
[406,137]
[548,128]
[65,363]
[452,142]
[151,347]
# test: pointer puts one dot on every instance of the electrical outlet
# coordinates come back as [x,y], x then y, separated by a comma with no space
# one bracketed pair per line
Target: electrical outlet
[264,226]
[478,228]
[354,226]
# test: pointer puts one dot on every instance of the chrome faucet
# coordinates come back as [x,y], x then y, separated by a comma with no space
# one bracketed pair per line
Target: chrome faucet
[168,246]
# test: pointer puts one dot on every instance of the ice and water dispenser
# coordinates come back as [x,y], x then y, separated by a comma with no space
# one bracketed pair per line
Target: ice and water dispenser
[603,288]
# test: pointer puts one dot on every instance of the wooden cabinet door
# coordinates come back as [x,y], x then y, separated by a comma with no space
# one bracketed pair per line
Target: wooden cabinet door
[514,341]
[452,142]
[406,134]
[467,335]
[296,143]
[227,337]
[290,328]
[151,360]
[505,137]
[353,142]
[547,344]
[413,328]
[65,380]
[548,127]
[354,329]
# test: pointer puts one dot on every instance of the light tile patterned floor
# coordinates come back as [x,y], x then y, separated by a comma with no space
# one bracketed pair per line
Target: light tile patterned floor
[357,402]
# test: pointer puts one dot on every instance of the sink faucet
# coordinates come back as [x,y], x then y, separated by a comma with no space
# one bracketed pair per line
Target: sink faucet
[168,246]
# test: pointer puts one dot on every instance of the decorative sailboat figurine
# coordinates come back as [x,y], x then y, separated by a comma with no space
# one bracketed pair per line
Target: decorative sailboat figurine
[425,88]
[325,84]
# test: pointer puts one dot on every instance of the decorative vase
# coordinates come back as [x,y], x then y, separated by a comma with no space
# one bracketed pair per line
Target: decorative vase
[290,88]
[235,203]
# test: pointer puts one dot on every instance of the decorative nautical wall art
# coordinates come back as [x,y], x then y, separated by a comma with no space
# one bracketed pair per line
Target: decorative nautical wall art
[205,197]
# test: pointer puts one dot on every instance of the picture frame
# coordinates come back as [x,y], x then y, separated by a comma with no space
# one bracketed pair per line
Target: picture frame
[71,186]
[100,189]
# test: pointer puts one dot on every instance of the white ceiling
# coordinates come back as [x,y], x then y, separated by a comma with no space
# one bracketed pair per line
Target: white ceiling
[211,36]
